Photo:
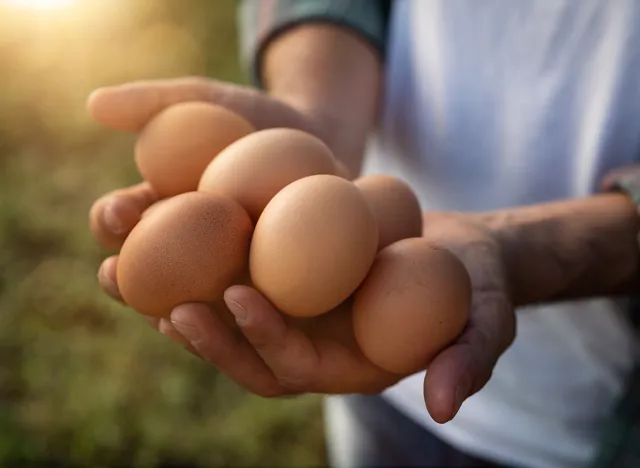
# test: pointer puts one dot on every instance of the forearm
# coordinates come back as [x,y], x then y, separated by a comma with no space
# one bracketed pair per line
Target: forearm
[331,75]
[570,249]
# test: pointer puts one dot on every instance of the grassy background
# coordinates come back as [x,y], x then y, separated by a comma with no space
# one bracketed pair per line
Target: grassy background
[83,381]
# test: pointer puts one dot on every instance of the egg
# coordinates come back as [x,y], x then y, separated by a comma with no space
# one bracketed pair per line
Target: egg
[176,146]
[413,303]
[190,248]
[313,245]
[154,207]
[253,169]
[395,205]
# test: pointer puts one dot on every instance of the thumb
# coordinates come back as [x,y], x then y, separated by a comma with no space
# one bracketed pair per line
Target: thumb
[129,107]
[465,367]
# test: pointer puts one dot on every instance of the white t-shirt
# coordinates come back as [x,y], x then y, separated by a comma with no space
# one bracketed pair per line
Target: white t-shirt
[496,103]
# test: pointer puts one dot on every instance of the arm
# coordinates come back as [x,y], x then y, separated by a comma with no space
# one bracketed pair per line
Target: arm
[332,76]
[323,58]
[570,249]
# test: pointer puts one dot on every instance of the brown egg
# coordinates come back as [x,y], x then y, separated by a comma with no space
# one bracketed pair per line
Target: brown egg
[154,207]
[414,302]
[188,249]
[252,170]
[313,245]
[174,149]
[396,207]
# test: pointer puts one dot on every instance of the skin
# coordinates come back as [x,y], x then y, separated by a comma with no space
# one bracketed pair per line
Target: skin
[520,256]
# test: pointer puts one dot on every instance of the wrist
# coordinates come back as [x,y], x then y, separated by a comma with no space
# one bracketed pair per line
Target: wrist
[568,250]
[502,227]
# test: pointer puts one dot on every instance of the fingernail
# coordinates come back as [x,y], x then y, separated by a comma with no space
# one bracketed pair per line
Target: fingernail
[239,312]
[188,331]
[462,392]
[112,221]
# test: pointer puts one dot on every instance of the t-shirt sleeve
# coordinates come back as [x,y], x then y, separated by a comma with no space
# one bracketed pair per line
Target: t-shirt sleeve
[261,21]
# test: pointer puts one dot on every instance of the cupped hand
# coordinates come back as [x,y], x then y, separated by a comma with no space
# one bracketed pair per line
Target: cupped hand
[131,106]
[324,358]
[266,352]
[273,355]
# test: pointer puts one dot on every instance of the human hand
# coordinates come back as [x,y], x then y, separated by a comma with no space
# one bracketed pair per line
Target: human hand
[320,354]
[464,367]
[131,106]
[274,355]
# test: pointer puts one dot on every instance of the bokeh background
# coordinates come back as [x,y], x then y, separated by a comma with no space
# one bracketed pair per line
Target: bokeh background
[84,381]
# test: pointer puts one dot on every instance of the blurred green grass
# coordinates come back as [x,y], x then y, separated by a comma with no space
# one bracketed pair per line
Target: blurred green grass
[83,381]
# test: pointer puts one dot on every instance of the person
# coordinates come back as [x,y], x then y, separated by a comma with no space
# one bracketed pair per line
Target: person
[504,117]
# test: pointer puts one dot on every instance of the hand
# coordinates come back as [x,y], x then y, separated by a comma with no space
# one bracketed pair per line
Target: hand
[129,107]
[271,355]
[463,368]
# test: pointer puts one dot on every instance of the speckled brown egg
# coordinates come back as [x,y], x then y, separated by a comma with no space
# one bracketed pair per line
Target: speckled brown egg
[395,205]
[313,245]
[414,302]
[252,170]
[188,249]
[174,148]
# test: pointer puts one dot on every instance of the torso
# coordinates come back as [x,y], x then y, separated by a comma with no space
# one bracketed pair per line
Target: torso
[493,104]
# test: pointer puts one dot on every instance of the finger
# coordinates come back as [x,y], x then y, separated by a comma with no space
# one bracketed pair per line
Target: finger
[154,322]
[130,106]
[286,350]
[165,327]
[229,352]
[112,217]
[466,366]
[108,279]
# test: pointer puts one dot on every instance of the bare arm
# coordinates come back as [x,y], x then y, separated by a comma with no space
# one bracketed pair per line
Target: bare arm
[570,249]
[332,75]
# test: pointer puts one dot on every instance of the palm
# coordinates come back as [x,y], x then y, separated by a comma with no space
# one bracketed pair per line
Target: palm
[320,354]
[340,365]
[311,355]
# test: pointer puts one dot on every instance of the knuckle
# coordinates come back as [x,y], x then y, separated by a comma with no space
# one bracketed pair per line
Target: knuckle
[265,345]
